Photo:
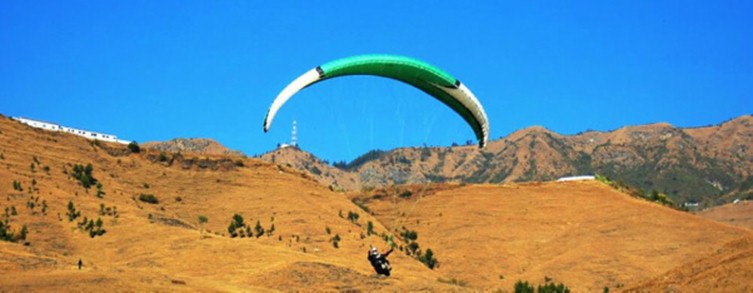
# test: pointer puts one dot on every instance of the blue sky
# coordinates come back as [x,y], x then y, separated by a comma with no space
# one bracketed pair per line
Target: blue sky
[157,70]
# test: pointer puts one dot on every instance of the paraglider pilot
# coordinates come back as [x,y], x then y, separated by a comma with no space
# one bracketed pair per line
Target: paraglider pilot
[379,261]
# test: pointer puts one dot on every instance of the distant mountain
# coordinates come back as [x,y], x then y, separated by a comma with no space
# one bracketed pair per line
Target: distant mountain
[191,145]
[710,165]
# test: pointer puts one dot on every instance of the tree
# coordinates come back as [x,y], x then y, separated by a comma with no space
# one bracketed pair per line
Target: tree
[134,147]
[413,247]
[238,219]
[370,228]
[259,229]
[231,229]
[202,220]
[22,234]
[428,259]
[523,287]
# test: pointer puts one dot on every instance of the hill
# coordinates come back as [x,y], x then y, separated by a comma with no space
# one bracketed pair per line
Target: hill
[583,234]
[306,162]
[738,214]
[483,236]
[726,270]
[161,246]
[191,145]
[710,165]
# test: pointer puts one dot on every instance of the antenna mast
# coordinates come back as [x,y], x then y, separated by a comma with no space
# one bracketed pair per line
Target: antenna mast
[294,135]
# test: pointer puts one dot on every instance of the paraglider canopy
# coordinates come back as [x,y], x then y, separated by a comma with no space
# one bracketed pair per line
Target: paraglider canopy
[421,75]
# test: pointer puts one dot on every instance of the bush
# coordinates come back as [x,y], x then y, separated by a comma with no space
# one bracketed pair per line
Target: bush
[406,194]
[148,198]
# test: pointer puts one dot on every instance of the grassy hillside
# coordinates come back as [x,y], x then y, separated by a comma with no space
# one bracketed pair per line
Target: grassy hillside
[584,234]
[143,230]
[160,246]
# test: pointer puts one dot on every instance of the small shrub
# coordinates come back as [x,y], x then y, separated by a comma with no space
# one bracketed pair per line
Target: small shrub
[353,217]
[148,198]
[335,241]
[100,192]
[72,212]
[203,219]
[406,194]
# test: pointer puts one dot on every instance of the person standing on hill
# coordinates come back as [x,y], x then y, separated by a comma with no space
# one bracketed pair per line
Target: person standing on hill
[379,261]
[80,264]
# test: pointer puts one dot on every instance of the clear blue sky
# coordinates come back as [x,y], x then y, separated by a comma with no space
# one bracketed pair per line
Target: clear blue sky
[157,70]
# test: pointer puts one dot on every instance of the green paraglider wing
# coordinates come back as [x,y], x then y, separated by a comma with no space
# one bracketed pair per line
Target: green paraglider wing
[421,75]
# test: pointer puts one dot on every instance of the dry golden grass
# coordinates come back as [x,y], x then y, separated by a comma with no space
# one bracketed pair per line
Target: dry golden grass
[583,234]
[739,214]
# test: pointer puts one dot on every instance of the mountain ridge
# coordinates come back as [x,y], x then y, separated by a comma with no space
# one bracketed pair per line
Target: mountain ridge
[709,164]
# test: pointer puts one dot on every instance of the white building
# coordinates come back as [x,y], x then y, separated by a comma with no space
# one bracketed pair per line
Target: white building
[57,127]
[577,178]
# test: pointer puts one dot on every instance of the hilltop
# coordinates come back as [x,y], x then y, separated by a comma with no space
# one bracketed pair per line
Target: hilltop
[205,146]
[587,235]
[710,165]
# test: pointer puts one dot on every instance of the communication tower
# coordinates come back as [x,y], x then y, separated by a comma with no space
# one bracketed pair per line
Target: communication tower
[294,135]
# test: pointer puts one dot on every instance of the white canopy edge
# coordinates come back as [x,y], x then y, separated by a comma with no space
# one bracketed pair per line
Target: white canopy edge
[298,84]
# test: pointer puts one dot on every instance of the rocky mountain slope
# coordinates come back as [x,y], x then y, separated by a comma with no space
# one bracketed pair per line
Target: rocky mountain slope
[710,165]
[193,145]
